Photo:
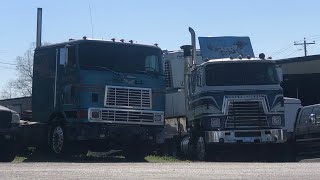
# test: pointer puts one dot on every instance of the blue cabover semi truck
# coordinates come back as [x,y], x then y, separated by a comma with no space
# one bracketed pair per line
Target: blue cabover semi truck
[91,90]
[96,95]
[229,101]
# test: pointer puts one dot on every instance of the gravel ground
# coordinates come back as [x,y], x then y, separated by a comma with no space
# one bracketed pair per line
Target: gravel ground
[185,170]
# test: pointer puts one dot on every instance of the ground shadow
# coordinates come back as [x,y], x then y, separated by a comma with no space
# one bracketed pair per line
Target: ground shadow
[91,157]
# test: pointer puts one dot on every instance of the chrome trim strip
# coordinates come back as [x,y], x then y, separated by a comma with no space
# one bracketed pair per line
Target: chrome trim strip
[127,121]
[275,136]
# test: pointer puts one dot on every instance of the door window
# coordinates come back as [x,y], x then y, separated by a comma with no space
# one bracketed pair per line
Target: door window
[152,63]
[305,114]
[316,112]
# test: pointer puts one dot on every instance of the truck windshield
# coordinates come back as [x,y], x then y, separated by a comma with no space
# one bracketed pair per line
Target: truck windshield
[230,74]
[122,58]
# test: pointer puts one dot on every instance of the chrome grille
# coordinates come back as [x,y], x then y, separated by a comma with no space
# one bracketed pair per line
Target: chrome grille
[128,97]
[115,115]
[246,114]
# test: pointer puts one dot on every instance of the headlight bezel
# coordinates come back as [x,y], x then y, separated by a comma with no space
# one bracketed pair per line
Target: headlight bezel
[94,117]
[276,120]
[158,118]
[215,122]
[15,118]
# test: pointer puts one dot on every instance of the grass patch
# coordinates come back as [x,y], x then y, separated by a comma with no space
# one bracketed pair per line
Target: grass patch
[19,159]
[32,155]
[162,159]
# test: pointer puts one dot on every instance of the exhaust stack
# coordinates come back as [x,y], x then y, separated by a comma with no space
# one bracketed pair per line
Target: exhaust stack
[193,43]
[39,27]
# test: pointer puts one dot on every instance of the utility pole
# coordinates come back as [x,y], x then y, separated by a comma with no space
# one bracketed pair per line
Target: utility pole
[304,45]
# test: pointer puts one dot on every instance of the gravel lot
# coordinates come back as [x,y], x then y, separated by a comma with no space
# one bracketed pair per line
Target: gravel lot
[305,169]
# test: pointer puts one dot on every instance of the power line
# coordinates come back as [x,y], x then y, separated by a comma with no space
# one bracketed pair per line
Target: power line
[305,44]
[292,53]
[8,63]
[7,67]
[282,50]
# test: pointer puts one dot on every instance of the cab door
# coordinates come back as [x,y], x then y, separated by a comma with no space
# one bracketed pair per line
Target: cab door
[314,128]
[302,131]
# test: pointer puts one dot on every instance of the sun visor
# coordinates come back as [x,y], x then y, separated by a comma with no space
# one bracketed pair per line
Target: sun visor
[225,47]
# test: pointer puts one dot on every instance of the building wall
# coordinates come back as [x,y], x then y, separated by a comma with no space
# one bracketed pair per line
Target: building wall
[302,79]
[18,104]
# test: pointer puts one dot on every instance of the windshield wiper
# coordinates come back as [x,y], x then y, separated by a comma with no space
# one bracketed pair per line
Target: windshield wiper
[105,68]
[147,72]
[154,71]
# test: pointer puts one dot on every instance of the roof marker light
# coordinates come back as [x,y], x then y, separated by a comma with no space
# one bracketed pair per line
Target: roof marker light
[262,56]
[84,37]
[131,41]
[113,39]
[122,40]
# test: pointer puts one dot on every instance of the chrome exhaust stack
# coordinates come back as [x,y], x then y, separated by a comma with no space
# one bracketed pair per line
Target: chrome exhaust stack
[193,44]
[39,27]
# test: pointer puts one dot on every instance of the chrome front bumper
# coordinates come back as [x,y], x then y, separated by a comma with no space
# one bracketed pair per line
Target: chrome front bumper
[246,136]
[127,116]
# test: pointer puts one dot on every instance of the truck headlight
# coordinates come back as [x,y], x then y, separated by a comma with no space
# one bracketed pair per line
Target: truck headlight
[215,122]
[276,120]
[15,118]
[95,114]
[157,117]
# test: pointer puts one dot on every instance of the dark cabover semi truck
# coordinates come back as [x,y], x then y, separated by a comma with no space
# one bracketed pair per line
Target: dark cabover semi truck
[230,102]
[9,134]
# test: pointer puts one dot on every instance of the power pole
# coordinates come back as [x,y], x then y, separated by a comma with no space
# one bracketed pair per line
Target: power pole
[304,45]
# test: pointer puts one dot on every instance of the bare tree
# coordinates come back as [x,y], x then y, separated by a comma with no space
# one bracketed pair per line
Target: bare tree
[24,67]
[21,86]
[8,91]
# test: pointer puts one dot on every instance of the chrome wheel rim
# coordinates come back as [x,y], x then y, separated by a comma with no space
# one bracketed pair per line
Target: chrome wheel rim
[57,139]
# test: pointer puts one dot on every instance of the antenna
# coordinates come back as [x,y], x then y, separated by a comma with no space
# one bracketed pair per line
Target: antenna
[91,21]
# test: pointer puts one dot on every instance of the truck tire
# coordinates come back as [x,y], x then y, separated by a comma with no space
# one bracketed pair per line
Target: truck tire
[8,152]
[57,142]
[201,149]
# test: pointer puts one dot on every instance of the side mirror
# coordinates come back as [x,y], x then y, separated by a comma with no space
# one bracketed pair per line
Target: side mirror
[63,56]
[199,77]
[70,56]
[312,118]
[279,73]
[199,80]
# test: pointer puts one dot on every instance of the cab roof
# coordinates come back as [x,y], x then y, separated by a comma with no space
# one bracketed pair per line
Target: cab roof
[243,60]
[80,41]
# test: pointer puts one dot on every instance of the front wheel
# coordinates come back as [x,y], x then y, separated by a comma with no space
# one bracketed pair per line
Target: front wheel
[201,149]
[57,140]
